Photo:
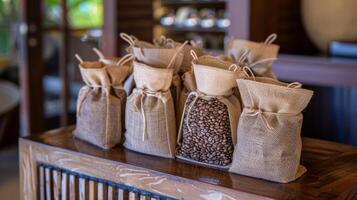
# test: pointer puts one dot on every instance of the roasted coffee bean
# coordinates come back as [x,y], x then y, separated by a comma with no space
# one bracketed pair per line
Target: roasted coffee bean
[210,139]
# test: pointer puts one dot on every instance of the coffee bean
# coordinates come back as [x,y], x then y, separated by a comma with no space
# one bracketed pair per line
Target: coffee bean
[210,139]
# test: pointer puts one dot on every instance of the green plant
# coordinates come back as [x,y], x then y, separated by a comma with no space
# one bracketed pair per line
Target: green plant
[8,16]
[82,13]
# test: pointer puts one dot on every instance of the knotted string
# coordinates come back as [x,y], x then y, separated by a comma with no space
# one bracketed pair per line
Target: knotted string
[162,41]
[142,94]
[253,111]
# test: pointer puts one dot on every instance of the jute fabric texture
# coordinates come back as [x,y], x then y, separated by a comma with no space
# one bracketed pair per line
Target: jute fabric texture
[268,136]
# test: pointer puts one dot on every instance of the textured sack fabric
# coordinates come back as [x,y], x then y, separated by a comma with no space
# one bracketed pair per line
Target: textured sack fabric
[189,85]
[210,115]
[164,53]
[100,104]
[150,115]
[269,141]
[186,64]
[261,55]
[129,81]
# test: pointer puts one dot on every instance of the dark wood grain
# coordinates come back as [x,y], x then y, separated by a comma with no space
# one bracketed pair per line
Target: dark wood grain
[110,37]
[31,66]
[332,168]
[64,63]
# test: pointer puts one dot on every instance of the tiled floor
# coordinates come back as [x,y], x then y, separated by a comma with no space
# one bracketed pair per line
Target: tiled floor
[9,177]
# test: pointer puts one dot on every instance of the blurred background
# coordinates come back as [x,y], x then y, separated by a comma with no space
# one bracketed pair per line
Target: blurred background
[39,77]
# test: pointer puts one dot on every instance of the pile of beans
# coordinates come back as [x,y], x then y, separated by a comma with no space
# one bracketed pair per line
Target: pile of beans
[210,139]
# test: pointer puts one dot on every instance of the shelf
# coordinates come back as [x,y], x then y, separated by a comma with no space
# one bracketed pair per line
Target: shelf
[321,71]
[329,164]
[194,29]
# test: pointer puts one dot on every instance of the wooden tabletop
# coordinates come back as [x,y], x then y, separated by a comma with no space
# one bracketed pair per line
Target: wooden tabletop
[332,168]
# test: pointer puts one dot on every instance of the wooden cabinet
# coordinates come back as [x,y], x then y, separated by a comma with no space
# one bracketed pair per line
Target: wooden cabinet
[57,165]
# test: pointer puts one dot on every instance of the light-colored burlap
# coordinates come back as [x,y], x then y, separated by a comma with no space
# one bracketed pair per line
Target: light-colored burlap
[220,62]
[186,64]
[100,104]
[189,85]
[261,55]
[269,141]
[164,53]
[129,81]
[215,79]
[150,115]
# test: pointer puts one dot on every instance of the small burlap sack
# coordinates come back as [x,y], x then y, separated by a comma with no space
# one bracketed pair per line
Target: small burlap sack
[206,134]
[150,115]
[261,55]
[165,53]
[186,64]
[189,81]
[269,141]
[100,103]
[127,59]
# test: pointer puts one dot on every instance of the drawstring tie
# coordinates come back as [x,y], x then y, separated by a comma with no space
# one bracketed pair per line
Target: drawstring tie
[254,111]
[142,94]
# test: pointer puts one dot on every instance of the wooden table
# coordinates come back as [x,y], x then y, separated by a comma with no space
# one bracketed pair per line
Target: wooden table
[56,164]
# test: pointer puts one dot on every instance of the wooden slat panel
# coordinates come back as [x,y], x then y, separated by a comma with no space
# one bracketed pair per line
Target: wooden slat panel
[48,183]
[144,197]
[83,189]
[111,193]
[42,183]
[64,186]
[123,194]
[56,184]
[134,196]
[73,187]
[93,191]
[102,191]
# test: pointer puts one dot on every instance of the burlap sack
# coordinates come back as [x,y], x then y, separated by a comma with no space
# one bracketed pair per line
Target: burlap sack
[164,53]
[189,81]
[269,142]
[100,103]
[128,83]
[150,115]
[210,142]
[186,64]
[261,55]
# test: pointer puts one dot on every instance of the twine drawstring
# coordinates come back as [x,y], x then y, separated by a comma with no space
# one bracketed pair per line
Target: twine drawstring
[248,72]
[143,93]
[99,53]
[173,59]
[128,38]
[270,39]
[128,57]
[162,41]
[253,111]
[295,85]
[79,58]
